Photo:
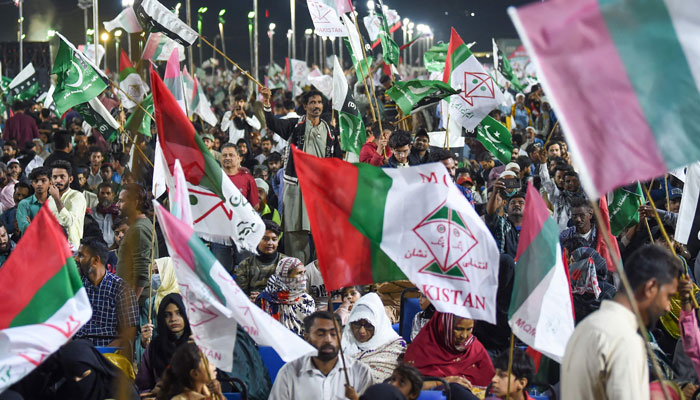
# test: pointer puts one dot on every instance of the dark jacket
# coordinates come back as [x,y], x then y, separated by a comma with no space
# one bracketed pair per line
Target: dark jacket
[293,130]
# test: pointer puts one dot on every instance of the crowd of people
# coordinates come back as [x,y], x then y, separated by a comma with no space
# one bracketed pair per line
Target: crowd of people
[100,195]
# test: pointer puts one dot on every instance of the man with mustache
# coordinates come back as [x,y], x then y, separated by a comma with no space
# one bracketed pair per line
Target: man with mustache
[312,135]
[67,205]
[321,376]
[504,214]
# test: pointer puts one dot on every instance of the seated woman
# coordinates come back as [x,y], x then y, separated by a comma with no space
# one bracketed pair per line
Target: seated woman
[446,348]
[422,317]
[285,297]
[369,337]
[189,377]
[173,331]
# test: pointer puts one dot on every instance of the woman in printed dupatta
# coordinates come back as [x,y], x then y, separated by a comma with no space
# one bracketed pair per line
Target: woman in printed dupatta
[446,348]
[285,297]
[369,337]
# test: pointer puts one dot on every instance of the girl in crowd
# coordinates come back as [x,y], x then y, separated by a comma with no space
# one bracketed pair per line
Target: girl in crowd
[446,348]
[370,338]
[189,377]
[349,295]
[408,380]
[422,317]
[173,331]
[285,296]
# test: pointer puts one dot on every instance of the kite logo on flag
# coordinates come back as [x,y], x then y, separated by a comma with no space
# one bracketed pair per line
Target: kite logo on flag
[448,239]
[320,13]
[477,85]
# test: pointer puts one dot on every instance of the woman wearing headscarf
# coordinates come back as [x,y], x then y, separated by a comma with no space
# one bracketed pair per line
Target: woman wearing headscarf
[247,159]
[285,297]
[446,348]
[588,274]
[370,339]
[173,330]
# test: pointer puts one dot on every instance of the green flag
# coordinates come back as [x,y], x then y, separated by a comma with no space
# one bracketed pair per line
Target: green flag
[78,79]
[389,47]
[624,209]
[503,67]
[352,129]
[139,121]
[412,95]
[97,115]
[496,138]
[353,42]
[435,57]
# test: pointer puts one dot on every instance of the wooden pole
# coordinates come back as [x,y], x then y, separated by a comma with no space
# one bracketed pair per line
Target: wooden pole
[551,133]
[447,133]
[630,296]
[150,268]
[369,73]
[510,363]
[668,201]
[249,76]
[337,335]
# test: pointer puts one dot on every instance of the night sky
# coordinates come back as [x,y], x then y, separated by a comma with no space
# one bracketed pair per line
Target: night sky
[490,20]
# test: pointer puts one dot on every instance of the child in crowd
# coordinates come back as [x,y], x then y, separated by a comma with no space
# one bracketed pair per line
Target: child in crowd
[408,380]
[521,375]
[349,295]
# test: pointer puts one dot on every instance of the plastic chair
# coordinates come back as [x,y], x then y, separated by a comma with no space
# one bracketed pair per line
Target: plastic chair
[236,383]
[409,308]
[395,327]
[105,349]
[272,361]
[441,394]
[542,391]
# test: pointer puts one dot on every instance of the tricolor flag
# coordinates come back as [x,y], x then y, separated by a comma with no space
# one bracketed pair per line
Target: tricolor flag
[155,17]
[479,93]
[130,82]
[390,49]
[221,212]
[159,47]
[25,86]
[125,20]
[413,95]
[436,239]
[688,226]
[596,56]
[502,66]
[541,310]
[297,75]
[197,102]
[353,42]
[496,139]
[40,308]
[352,129]
[173,79]
[610,255]
[78,80]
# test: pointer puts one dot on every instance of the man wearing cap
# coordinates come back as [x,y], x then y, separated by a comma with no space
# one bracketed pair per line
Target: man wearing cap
[14,170]
[208,140]
[263,208]
[505,229]
[669,217]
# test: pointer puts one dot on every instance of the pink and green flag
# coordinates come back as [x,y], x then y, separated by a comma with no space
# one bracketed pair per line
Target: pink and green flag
[42,304]
[541,311]
[624,79]
[130,82]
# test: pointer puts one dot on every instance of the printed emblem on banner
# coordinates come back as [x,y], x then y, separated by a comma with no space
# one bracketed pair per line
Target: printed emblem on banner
[448,239]
[319,13]
[477,85]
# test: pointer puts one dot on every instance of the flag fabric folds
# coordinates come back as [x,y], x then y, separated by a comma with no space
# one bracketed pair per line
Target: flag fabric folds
[325,16]
[578,46]
[25,86]
[541,310]
[496,139]
[41,308]
[220,212]
[390,49]
[159,47]
[173,79]
[139,121]
[97,115]
[436,240]
[126,20]
[688,225]
[78,79]
[624,208]
[434,59]
[155,17]
[353,43]
[503,67]
[352,128]
[131,83]
[479,93]
[413,95]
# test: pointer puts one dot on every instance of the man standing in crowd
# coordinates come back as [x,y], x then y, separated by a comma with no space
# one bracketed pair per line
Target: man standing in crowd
[400,145]
[94,178]
[237,124]
[605,357]
[20,127]
[29,207]
[105,212]
[320,376]
[505,228]
[312,135]
[67,205]
[14,170]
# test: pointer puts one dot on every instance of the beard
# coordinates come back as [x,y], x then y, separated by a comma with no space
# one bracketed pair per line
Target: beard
[327,356]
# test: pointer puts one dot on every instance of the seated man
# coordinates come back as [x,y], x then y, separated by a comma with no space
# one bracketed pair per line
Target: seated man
[253,272]
[321,376]
[584,227]
[115,313]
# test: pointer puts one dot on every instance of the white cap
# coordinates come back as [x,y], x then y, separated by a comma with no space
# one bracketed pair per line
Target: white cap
[512,165]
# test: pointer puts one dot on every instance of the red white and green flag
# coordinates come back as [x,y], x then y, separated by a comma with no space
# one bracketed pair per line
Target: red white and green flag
[436,240]
[215,303]
[173,79]
[125,20]
[635,63]
[159,47]
[479,93]
[130,82]
[197,102]
[541,311]
[40,308]
[221,213]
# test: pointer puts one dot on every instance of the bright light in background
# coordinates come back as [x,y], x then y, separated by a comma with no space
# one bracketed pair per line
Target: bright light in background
[308,31]
[370,5]
[90,31]
[406,21]
[127,3]
[118,33]
[251,15]
[289,33]
[273,26]
[177,8]
[104,36]
[222,12]
[411,25]
[202,10]
[472,14]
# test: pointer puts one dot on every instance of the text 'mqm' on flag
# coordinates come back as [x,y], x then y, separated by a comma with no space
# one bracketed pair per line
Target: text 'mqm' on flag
[436,240]
[624,79]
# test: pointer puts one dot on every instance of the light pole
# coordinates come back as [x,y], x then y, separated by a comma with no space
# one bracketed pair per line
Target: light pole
[293,11]
[404,29]
[307,36]
[290,34]
[200,17]
[255,39]
[410,37]
[50,35]
[271,35]
[251,16]
[221,31]
[20,36]
[105,37]
[370,7]
[323,57]
[95,26]
[117,37]
[315,49]
[125,4]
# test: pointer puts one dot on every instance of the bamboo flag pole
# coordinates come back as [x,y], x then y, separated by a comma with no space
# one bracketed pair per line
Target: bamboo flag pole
[510,363]
[337,335]
[369,73]
[248,75]
[150,269]
[447,133]
[551,133]
[629,293]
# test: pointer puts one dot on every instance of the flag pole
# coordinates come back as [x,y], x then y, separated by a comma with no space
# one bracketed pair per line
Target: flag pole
[551,133]
[337,335]
[150,268]
[378,117]
[510,362]
[668,201]
[447,132]
[646,223]
[249,76]
[633,302]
